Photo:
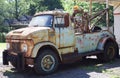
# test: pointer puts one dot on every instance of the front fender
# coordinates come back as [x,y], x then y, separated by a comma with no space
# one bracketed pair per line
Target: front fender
[103,41]
[39,45]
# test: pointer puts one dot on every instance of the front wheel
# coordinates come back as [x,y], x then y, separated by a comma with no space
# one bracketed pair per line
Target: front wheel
[46,62]
[109,52]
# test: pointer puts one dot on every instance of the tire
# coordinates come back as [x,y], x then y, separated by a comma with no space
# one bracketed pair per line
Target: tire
[46,62]
[109,52]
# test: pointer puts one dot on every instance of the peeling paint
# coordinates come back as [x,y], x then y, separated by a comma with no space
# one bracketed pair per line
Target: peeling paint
[89,41]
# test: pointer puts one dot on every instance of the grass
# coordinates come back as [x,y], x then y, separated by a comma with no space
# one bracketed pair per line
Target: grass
[112,73]
[93,68]
[2,45]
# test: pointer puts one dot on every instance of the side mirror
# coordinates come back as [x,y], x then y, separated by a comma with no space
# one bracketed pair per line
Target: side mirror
[66,20]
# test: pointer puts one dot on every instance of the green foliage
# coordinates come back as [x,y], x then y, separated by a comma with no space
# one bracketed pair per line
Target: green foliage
[51,4]
[2,37]
[13,8]
[68,5]
[4,29]
[42,5]
[8,8]
[98,7]
[32,9]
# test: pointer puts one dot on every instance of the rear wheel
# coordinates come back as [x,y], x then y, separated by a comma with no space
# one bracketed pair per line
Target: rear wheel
[109,52]
[46,62]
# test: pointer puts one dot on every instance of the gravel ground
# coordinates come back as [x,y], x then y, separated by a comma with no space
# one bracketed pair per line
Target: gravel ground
[89,68]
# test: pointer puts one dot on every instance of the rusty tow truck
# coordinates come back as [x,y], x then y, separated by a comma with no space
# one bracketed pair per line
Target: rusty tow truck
[55,37]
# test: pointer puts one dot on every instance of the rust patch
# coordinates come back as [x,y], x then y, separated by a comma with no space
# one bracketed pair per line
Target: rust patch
[51,36]
[30,44]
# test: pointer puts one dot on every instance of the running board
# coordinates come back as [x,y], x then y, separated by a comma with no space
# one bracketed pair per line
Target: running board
[75,56]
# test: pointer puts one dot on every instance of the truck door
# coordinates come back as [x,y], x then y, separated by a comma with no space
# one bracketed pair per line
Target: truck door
[64,35]
[80,42]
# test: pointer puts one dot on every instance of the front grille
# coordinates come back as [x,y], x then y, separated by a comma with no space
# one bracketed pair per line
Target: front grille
[16,46]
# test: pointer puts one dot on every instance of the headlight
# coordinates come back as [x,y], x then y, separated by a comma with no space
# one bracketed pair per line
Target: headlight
[8,45]
[24,47]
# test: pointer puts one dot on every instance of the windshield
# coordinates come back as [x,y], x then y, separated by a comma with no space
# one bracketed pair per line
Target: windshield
[42,20]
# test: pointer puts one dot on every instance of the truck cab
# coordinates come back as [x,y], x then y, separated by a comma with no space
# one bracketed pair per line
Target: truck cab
[51,39]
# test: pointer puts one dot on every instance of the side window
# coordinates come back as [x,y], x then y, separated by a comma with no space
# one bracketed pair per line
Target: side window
[59,22]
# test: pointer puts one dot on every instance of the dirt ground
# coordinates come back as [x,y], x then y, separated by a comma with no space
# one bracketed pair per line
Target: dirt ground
[89,68]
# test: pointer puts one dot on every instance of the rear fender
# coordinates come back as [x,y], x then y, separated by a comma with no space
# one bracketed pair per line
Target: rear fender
[103,41]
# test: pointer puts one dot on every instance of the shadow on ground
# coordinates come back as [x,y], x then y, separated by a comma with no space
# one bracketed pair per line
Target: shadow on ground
[76,70]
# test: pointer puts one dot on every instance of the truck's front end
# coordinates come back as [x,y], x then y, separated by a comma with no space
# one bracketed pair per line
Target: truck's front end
[42,43]
[17,51]
[21,42]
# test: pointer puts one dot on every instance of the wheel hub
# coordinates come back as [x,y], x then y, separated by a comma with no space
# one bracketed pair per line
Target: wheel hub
[111,52]
[48,63]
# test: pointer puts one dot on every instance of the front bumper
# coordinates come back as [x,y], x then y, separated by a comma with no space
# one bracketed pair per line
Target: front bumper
[18,59]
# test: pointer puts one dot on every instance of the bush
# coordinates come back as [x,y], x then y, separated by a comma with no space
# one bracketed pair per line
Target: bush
[2,37]
[3,31]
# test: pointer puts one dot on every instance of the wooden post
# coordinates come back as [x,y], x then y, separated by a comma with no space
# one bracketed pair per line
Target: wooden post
[107,14]
[90,11]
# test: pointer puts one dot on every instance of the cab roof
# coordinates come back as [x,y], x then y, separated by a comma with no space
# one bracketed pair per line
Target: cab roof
[54,12]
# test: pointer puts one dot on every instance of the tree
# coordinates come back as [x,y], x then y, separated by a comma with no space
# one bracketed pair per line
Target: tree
[52,4]
[15,8]
[97,7]
[68,7]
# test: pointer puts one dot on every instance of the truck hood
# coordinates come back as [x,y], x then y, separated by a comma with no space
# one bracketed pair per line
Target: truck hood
[27,33]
